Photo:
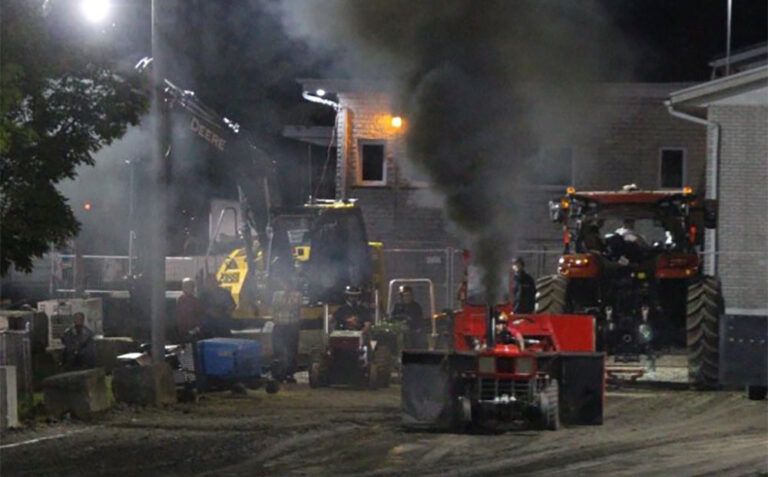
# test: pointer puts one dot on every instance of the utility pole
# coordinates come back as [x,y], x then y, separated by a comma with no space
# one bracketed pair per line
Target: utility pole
[158,206]
[728,41]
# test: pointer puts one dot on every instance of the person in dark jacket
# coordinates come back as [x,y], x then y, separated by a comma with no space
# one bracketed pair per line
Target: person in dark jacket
[352,315]
[418,326]
[524,288]
[218,305]
[78,345]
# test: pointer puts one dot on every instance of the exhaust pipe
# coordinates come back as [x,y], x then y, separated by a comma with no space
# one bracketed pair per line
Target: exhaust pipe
[490,327]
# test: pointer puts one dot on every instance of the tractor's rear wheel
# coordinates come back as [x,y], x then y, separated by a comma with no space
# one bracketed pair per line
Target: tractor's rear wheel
[382,358]
[550,409]
[756,393]
[704,307]
[551,294]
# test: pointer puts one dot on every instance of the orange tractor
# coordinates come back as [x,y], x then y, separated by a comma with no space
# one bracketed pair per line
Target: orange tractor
[503,370]
[643,282]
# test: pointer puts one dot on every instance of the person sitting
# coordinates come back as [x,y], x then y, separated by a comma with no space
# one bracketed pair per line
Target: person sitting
[418,326]
[78,344]
[352,315]
[634,244]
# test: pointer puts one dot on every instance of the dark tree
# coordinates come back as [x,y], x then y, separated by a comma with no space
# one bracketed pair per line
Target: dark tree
[62,100]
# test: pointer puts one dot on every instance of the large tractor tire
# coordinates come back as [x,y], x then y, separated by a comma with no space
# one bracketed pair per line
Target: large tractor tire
[550,409]
[704,307]
[382,358]
[551,294]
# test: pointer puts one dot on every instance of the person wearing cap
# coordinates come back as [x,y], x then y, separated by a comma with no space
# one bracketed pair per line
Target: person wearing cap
[408,308]
[352,315]
[524,288]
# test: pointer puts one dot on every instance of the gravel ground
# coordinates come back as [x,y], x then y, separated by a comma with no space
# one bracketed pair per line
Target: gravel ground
[303,431]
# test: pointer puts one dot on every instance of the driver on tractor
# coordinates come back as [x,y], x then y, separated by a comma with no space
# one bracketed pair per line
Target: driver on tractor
[352,315]
[411,311]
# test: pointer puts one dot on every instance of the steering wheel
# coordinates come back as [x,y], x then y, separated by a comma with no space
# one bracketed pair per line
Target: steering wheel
[523,318]
[399,317]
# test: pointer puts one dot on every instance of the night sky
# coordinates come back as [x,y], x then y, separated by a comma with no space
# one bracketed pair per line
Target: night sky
[239,60]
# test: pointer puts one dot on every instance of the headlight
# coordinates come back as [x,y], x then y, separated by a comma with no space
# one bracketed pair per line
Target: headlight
[524,365]
[645,332]
[486,364]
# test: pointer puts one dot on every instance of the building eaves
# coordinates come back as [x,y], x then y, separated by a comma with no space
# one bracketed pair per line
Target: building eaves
[335,86]
[316,135]
[702,94]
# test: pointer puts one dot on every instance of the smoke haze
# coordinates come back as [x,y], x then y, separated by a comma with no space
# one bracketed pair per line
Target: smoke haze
[484,86]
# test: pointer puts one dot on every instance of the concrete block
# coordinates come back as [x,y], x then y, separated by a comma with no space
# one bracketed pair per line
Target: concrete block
[151,385]
[9,404]
[107,349]
[83,393]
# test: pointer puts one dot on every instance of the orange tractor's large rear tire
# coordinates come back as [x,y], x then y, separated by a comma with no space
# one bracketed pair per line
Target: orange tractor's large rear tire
[704,307]
[551,294]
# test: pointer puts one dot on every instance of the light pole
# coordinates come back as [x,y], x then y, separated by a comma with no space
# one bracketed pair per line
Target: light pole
[157,236]
[156,242]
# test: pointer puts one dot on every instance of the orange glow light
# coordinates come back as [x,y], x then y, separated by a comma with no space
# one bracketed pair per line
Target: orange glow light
[397,122]
[87,206]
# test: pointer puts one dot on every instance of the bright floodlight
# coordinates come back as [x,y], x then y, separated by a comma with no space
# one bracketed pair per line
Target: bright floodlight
[95,11]
[320,92]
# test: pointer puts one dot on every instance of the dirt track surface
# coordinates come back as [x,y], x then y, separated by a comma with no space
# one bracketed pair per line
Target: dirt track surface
[342,431]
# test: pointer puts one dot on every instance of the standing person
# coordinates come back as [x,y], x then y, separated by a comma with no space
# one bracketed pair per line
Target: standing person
[218,306]
[189,311]
[418,326]
[286,308]
[78,344]
[524,288]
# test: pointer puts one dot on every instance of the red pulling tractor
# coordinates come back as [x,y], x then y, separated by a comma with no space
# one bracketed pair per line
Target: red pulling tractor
[503,369]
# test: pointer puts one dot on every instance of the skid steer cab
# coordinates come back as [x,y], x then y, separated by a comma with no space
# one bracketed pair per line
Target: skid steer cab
[353,355]
[506,371]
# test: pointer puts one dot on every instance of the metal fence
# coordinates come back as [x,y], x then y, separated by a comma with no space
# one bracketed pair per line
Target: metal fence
[743,273]
[101,273]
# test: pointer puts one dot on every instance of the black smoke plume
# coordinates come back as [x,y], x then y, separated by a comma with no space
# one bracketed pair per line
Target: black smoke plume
[483,86]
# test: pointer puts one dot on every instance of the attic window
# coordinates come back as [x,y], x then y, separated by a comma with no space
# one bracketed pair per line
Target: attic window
[372,164]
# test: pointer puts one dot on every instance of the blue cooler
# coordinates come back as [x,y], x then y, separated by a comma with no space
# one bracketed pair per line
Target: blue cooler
[228,358]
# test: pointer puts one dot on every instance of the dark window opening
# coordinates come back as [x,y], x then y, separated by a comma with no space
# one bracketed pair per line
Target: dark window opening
[672,162]
[372,162]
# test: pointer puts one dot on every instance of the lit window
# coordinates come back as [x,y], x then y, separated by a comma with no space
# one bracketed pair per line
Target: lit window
[672,168]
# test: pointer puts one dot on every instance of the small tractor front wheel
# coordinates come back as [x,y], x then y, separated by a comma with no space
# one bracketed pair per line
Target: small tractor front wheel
[382,358]
[272,386]
[318,371]
[550,409]
[373,376]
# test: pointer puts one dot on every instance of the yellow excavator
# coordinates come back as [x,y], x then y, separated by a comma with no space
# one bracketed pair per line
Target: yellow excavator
[316,249]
